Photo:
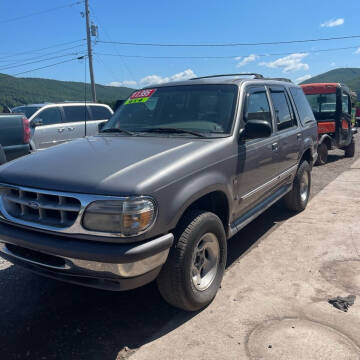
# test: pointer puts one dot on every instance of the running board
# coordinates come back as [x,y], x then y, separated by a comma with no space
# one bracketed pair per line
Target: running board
[245,219]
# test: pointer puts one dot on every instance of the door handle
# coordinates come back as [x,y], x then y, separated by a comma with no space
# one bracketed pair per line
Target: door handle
[60,130]
[299,136]
[71,128]
[275,147]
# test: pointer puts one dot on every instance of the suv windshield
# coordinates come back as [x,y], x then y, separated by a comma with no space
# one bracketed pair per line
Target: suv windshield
[322,103]
[185,109]
[28,111]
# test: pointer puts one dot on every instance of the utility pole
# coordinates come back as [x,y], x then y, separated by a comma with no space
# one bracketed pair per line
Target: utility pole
[93,90]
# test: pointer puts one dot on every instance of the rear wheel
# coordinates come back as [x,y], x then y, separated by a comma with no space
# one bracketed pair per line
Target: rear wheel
[195,267]
[322,154]
[350,149]
[298,197]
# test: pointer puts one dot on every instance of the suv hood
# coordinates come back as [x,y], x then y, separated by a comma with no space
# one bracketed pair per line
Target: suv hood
[107,165]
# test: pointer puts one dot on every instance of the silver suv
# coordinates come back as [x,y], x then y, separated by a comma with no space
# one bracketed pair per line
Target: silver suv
[52,124]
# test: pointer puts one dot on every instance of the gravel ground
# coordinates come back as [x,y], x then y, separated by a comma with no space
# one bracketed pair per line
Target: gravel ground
[45,319]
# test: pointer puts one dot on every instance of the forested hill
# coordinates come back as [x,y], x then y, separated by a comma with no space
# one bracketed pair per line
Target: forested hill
[17,91]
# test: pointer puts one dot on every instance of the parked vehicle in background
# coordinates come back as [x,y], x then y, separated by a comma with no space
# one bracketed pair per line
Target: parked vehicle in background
[14,136]
[53,124]
[332,107]
[177,171]
[357,116]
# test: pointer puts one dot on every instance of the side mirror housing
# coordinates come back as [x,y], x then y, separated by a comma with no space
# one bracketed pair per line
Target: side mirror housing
[256,129]
[37,122]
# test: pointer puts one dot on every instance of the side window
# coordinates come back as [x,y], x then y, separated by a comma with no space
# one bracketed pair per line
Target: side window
[302,105]
[345,104]
[283,114]
[257,106]
[75,113]
[50,116]
[100,112]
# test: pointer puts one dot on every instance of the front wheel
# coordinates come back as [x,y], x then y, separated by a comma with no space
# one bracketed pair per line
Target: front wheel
[298,197]
[195,267]
[350,149]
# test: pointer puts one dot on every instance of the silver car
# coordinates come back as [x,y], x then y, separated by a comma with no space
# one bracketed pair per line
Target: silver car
[56,123]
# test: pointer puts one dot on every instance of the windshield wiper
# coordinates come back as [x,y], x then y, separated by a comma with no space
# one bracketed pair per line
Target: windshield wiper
[173,130]
[116,130]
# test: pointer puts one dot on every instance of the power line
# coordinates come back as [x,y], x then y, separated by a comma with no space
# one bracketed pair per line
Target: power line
[41,49]
[231,44]
[226,57]
[40,12]
[37,61]
[51,65]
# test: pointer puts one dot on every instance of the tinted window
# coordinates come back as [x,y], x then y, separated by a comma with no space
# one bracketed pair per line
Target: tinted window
[75,113]
[100,113]
[203,108]
[28,111]
[283,115]
[257,106]
[50,116]
[302,105]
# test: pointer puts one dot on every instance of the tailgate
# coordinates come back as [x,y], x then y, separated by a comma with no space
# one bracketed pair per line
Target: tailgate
[11,130]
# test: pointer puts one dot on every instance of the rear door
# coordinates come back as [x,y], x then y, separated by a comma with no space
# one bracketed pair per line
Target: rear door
[257,168]
[98,115]
[287,128]
[345,133]
[74,119]
[51,131]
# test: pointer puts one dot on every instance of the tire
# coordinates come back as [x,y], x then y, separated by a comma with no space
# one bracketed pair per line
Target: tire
[2,156]
[322,154]
[350,149]
[298,197]
[177,282]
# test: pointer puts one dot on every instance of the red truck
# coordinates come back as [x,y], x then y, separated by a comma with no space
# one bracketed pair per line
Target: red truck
[331,104]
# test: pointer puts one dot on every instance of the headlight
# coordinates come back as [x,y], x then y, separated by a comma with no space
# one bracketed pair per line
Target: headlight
[128,217]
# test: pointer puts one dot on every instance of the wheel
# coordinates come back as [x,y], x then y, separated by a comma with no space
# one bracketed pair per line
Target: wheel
[192,274]
[322,154]
[350,149]
[298,197]
[2,156]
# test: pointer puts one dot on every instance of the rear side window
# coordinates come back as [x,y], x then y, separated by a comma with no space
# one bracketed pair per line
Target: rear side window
[100,112]
[75,113]
[257,106]
[302,105]
[283,114]
[50,116]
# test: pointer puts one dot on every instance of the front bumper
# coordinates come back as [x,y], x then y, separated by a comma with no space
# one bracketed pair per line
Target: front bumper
[96,264]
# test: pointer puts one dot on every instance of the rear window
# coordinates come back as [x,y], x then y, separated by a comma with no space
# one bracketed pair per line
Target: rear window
[100,112]
[322,103]
[302,105]
[75,113]
[28,111]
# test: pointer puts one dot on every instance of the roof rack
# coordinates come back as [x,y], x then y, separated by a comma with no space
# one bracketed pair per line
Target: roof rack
[280,79]
[256,76]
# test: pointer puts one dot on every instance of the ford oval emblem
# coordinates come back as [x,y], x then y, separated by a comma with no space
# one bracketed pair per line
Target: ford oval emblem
[33,204]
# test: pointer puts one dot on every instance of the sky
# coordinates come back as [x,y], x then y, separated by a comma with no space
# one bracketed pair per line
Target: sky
[58,28]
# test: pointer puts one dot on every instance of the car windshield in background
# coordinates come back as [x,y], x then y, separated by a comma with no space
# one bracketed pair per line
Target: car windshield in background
[322,103]
[186,110]
[28,111]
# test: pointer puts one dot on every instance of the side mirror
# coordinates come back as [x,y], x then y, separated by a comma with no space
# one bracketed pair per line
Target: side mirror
[37,122]
[255,129]
[101,125]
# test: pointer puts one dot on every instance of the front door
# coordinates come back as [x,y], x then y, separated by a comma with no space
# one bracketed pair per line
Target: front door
[51,130]
[257,158]
[74,118]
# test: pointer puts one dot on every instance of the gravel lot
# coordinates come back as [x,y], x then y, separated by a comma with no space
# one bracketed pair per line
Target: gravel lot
[46,319]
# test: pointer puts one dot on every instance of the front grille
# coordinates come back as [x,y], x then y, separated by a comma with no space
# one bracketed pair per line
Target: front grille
[36,207]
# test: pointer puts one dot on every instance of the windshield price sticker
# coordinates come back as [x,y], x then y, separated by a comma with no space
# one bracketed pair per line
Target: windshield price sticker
[140,96]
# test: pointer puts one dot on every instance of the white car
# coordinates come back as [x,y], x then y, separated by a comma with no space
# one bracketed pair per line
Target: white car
[56,123]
